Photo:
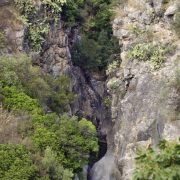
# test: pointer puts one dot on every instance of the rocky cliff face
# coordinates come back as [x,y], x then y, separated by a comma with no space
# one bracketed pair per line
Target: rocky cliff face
[55,58]
[145,102]
[144,97]
[90,88]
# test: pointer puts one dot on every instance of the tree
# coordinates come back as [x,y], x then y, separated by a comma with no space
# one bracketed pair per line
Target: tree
[159,164]
[16,163]
[55,170]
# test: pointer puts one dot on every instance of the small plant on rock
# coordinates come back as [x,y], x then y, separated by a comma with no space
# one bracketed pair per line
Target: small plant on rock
[156,53]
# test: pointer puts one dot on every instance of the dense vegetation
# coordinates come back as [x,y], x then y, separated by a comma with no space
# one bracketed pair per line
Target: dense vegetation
[92,18]
[38,139]
[159,164]
[51,145]
[97,47]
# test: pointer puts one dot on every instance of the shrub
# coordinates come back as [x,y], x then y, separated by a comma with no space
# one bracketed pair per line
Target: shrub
[86,53]
[156,53]
[113,84]
[112,67]
[37,84]
[73,140]
[159,164]
[70,139]
[43,137]
[16,163]
[97,46]
[94,54]
[53,167]
[38,18]
[15,100]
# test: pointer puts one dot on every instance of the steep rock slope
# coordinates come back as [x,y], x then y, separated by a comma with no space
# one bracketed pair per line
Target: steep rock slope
[90,88]
[55,58]
[145,99]
[145,96]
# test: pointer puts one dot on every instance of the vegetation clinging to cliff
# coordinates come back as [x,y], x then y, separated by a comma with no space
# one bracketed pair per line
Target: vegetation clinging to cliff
[97,47]
[38,16]
[159,164]
[68,139]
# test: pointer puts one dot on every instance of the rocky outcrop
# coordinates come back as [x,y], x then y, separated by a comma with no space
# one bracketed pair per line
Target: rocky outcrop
[144,99]
[55,58]
[90,88]
[144,96]
[11,29]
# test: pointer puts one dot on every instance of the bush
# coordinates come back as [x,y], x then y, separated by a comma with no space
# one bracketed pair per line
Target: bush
[54,168]
[15,100]
[16,163]
[86,54]
[94,54]
[156,53]
[97,46]
[38,19]
[31,80]
[162,164]
[71,139]
[112,67]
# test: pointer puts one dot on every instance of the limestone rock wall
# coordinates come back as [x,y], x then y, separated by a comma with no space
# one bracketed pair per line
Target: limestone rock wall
[145,102]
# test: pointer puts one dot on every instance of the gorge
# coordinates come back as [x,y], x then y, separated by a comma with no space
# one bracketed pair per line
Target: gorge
[122,60]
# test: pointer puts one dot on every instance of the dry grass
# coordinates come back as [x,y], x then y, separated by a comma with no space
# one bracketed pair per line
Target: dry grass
[10,126]
[9,18]
[136,5]
[119,9]
[118,12]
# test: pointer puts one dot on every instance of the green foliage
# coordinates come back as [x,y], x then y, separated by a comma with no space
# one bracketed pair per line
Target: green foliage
[36,35]
[112,67]
[32,81]
[94,54]
[38,17]
[97,46]
[156,53]
[15,100]
[107,102]
[72,12]
[52,166]
[24,87]
[162,164]
[86,53]
[73,140]
[16,163]
[136,30]
[43,138]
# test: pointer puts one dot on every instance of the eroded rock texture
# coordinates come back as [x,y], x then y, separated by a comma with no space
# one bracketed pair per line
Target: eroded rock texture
[90,88]
[145,102]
